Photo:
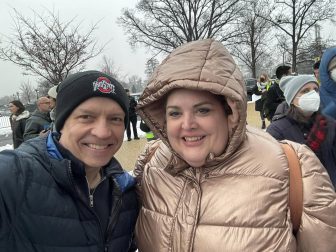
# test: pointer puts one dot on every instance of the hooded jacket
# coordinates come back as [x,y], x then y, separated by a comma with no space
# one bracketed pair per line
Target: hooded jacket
[328,86]
[238,201]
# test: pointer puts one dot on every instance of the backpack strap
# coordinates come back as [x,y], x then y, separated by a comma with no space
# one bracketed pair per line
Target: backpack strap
[295,187]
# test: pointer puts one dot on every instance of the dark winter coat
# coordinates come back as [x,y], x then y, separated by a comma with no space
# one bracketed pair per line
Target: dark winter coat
[273,98]
[18,124]
[132,105]
[285,127]
[328,86]
[36,123]
[43,208]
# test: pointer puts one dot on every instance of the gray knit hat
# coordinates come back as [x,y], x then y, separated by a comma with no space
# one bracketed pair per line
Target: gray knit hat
[291,85]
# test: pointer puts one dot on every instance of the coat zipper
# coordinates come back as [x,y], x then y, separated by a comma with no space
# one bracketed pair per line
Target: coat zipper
[83,201]
[93,190]
[196,180]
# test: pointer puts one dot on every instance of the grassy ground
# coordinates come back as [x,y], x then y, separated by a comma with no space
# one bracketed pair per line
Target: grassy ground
[129,151]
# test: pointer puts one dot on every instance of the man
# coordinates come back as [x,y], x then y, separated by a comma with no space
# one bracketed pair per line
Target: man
[316,67]
[275,95]
[66,191]
[132,118]
[39,121]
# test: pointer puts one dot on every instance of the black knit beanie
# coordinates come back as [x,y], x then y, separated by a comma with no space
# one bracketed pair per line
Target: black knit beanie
[81,86]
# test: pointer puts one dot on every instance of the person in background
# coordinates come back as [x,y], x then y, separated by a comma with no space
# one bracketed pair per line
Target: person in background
[149,134]
[211,182]
[17,120]
[39,121]
[133,118]
[274,94]
[327,72]
[261,88]
[303,123]
[66,191]
[316,67]
[52,95]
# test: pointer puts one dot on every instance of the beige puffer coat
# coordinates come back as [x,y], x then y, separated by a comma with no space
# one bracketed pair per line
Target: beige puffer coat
[239,200]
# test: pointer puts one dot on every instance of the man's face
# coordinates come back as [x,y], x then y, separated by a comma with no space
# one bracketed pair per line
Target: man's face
[43,104]
[94,131]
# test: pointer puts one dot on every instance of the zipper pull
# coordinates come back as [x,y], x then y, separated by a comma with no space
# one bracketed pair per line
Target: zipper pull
[91,199]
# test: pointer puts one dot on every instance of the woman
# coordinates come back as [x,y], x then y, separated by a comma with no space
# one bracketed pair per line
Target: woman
[303,123]
[260,90]
[17,120]
[206,184]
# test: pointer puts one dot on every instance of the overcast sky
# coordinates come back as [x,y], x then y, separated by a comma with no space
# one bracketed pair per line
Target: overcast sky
[87,12]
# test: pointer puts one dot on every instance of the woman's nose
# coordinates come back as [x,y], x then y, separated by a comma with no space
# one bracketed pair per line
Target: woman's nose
[188,121]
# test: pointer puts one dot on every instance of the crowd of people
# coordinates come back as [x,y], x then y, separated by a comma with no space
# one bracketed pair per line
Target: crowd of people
[205,181]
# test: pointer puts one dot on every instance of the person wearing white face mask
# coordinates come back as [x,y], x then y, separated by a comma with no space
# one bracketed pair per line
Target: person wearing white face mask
[327,73]
[303,122]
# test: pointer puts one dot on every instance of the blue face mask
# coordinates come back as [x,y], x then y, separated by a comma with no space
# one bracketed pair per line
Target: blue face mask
[309,102]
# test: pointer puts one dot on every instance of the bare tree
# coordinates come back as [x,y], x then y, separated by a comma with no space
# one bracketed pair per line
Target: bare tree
[109,67]
[166,24]
[47,47]
[252,46]
[151,64]
[135,83]
[27,91]
[296,18]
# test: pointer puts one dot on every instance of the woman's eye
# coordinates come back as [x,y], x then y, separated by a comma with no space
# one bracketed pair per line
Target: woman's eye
[173,113]
[203,110]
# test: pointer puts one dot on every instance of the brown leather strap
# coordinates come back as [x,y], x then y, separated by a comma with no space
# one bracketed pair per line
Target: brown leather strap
[295,187]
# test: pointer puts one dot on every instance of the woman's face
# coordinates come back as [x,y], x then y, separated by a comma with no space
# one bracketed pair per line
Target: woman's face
[304,90]
[196,125]
[12,108]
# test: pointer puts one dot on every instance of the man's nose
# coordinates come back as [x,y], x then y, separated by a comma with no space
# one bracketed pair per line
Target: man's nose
[102,129]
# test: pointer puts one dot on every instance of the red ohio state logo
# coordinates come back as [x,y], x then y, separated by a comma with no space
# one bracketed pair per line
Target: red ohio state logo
[103,85]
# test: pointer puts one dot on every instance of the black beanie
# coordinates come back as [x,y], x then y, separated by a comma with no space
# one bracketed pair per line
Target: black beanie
[81,86]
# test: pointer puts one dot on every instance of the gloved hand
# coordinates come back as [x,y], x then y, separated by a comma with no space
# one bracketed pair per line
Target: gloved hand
[317,133]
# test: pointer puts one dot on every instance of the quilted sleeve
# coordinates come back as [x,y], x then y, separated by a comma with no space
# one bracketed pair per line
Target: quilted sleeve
[318,222]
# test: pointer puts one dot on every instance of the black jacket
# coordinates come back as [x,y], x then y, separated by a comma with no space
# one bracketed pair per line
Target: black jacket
[273,98]
[37,122]
[43,207]
[18,124]
[132,106]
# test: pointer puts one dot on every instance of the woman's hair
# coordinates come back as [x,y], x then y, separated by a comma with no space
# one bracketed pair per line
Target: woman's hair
[19,105]
[222,100]
[265,75]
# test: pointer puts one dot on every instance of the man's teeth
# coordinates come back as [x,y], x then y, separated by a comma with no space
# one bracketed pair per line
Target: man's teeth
[97,147]
[192,139]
